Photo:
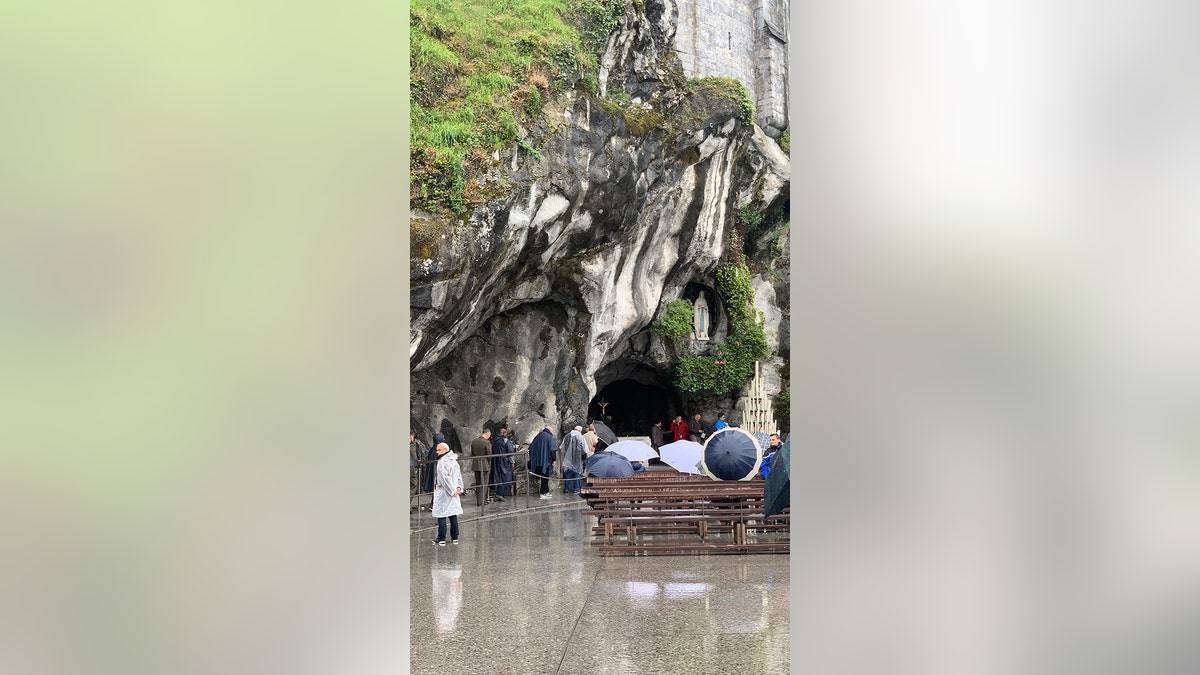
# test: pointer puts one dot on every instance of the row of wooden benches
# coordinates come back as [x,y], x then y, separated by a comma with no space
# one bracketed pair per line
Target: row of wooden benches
[663,512]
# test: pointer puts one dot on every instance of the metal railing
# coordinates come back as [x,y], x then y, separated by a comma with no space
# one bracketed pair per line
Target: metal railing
[523,481]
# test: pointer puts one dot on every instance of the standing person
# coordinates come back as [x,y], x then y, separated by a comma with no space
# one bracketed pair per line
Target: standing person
[446,502]
[679,428]
[541,459]
[428,478]
[720,423]
[502,467]
[775,445]
[480,449]
[656,435]
[696,429]
[590,437]
[574,448]
[416,454]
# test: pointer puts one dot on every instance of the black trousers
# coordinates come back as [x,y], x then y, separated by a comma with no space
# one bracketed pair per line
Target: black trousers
[545,486]
[481,489]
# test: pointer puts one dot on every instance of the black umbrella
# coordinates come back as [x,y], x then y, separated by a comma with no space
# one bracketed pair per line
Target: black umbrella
[604,433]
[777,494]
[731,454]
[609,465]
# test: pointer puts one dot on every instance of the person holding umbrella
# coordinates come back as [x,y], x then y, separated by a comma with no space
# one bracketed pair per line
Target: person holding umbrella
[541,459]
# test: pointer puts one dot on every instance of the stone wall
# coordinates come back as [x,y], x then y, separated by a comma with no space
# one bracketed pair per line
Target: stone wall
[744,40]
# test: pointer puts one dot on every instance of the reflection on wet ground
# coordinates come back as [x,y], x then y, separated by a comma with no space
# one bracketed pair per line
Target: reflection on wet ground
[528,593]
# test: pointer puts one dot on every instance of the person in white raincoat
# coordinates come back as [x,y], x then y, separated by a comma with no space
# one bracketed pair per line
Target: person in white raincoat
[446,492]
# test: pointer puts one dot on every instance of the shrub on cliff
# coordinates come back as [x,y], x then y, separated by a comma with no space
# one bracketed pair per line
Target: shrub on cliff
[732,363]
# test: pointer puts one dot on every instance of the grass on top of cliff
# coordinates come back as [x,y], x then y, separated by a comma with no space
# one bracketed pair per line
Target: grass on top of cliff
[482,69]
[729,88]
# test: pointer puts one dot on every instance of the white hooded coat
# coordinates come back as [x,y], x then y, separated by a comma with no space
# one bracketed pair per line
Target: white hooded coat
[449,477]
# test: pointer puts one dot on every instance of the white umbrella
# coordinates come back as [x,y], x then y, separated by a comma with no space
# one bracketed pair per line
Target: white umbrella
[683,456]
[634,451]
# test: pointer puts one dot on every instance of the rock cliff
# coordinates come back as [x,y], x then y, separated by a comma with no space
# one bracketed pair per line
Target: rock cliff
[526,309]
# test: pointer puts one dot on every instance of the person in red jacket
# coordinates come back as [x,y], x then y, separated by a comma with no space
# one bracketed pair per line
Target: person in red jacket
[679,429]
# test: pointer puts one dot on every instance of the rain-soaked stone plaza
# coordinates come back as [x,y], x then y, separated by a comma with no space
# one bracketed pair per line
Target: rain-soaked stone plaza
[525,591]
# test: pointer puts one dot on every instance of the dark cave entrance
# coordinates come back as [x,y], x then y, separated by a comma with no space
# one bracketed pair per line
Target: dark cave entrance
[635,399]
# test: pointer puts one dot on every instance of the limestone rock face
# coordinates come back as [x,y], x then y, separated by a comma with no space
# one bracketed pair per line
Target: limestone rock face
[525,309]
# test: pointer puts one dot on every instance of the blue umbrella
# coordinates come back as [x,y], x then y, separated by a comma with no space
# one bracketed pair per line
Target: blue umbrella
[731,454]
[606,464]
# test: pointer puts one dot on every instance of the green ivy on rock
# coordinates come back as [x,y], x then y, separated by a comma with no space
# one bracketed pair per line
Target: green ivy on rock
[732,363]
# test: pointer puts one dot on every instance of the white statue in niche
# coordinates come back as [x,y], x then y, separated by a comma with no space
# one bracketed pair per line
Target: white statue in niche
[700,318]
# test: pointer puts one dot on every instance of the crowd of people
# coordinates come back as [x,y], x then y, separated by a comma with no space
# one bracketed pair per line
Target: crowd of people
[493,461]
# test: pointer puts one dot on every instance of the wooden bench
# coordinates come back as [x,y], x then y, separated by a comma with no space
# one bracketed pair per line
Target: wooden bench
[674,508]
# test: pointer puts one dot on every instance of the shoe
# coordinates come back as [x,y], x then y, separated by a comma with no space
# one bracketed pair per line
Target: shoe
[454,541]
[501,499]
[439,543]
[546,496]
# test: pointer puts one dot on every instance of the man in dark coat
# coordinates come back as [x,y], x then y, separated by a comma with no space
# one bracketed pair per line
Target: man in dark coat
[541,459]
[656,435]
[502,467]
[480,449]
[696,429]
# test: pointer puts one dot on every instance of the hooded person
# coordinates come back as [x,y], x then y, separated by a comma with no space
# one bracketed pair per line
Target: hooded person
[428,472]
[501,474]
[574,449]
[541,459]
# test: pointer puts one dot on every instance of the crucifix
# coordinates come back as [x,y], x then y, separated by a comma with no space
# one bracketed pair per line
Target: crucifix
[603,405]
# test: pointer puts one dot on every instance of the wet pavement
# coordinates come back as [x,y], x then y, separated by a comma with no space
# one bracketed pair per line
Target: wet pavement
[526,592]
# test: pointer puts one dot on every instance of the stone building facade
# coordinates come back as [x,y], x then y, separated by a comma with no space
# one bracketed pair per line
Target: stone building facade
[743,39]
